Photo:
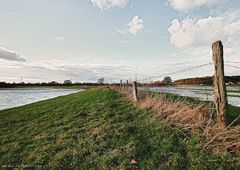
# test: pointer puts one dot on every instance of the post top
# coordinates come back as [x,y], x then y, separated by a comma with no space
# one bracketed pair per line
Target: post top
[217,43]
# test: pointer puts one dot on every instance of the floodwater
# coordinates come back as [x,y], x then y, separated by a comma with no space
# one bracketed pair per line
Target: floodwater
[201,92]
[17,97]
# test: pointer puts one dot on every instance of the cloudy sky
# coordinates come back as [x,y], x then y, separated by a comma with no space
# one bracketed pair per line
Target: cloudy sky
[83,40]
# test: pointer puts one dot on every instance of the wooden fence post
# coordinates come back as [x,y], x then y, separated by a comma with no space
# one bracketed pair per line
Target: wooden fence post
[135,91]
[220,94]
[127,86]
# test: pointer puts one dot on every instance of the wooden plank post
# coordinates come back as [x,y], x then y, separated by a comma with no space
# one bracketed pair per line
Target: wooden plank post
[135,91]
[120,83]
[220,94]
[127,83]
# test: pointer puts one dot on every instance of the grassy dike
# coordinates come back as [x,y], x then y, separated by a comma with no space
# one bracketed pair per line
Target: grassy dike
[97,129]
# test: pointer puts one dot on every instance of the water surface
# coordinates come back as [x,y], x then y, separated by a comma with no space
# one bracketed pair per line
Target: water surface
[17,97]
[201,92]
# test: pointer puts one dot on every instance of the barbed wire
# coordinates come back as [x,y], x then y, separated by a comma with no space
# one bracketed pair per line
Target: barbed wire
[236,62]
[231,66]
[181,71]
[178,72]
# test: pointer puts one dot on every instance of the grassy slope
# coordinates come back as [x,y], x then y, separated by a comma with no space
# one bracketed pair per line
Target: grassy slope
[97,129]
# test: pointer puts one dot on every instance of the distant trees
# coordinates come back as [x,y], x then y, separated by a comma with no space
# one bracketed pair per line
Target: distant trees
[167,80]
[101,81]
[195,81]
[67,82]
[156,84]
[53,83]
[4,84]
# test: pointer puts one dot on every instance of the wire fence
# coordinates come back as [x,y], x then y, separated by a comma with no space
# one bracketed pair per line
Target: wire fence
[177,72]
[232,66]
[147,79]
[202,92]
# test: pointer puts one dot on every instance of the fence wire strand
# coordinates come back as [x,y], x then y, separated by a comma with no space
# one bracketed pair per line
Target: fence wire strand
[229,64]
[178,72]
[232,66]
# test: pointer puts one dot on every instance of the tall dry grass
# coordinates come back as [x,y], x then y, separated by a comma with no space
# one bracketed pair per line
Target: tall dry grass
[190,118]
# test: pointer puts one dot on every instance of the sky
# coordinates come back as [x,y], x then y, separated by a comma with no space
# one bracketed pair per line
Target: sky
[84,40]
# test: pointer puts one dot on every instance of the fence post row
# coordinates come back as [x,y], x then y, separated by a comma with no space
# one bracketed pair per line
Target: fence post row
[220,94]
[135,92]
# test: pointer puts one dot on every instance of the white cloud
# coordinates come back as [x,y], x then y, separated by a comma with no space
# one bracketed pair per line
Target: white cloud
[106,4]
[192,32]
[9,55]
[61,39]
[187,5]
[135,25]
[122,32]
[39,71]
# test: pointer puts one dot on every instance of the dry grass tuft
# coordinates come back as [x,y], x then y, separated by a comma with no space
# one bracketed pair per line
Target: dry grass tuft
[190,118]
[226,139]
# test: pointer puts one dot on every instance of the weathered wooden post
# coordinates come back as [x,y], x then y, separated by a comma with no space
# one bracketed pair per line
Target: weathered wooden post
[127,88]
[121,85]
[220,94]
[135,91]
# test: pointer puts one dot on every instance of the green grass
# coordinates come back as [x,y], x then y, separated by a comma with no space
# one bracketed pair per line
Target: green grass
[96,129]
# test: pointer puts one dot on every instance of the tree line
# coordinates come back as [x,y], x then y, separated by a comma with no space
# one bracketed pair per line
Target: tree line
[206,80]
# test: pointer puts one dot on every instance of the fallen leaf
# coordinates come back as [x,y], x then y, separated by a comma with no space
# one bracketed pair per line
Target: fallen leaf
[133,162]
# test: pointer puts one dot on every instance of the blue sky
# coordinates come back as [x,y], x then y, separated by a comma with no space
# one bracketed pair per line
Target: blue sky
[84,40]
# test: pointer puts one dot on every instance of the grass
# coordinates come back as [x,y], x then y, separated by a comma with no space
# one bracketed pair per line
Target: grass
[97,129]
[233,111]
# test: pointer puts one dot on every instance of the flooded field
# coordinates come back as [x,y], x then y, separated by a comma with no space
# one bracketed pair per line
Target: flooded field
[201,92]
[17,97]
